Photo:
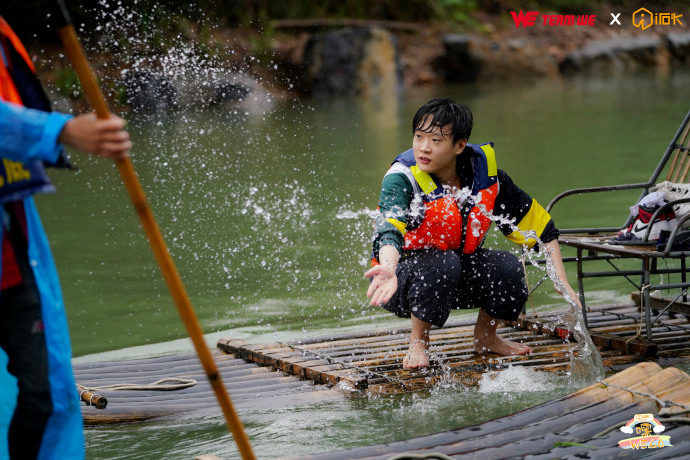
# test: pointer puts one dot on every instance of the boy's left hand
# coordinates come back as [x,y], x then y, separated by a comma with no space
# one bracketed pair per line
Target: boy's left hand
[384,284]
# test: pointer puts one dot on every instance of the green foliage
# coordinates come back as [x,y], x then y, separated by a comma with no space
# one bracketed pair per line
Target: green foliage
[67,83]
[455,10]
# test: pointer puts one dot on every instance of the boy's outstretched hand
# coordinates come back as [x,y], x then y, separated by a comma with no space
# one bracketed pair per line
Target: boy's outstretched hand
[384,284]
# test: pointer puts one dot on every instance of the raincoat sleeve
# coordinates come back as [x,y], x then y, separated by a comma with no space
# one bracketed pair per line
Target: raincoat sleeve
[393,208]
[30,134]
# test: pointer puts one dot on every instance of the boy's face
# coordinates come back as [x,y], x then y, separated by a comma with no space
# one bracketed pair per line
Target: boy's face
[434,152]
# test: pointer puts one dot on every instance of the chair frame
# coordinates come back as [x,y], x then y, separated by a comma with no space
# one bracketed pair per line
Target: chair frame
[593,240]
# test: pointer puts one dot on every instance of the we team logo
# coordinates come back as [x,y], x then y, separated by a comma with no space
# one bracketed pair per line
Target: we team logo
[647,429]
[530,18]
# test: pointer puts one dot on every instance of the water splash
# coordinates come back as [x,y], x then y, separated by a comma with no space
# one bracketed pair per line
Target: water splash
[345,213]
[585,362]
[167,62]
[517,379]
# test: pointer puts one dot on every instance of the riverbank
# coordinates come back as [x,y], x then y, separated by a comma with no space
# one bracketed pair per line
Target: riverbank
[486,46]
[422,53]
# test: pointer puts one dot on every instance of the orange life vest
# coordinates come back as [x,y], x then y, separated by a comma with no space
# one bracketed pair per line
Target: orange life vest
[436,219]
[8,90]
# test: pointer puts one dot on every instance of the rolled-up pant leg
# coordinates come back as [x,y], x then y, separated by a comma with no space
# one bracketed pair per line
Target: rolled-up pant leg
[433,282]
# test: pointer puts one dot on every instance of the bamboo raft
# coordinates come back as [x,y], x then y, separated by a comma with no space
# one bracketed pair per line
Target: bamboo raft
[573,426]
[306,371]
[371,361]
[249,385]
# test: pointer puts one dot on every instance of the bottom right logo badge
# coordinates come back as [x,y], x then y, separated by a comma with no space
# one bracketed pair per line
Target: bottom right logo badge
[648,433]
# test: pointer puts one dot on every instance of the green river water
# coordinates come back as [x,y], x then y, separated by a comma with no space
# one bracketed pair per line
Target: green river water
[266,219]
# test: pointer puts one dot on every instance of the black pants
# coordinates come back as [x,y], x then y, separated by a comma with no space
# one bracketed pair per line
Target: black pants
[22,338]
[433,282]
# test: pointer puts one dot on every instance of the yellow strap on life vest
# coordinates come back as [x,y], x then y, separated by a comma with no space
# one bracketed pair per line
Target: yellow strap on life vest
[401,226]
[536,220]
[426,183]
[490,159]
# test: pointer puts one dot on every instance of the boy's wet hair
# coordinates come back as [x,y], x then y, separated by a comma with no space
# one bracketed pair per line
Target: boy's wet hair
[445,112]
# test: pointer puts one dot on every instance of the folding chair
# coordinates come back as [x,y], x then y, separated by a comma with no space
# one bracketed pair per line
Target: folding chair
[595,244]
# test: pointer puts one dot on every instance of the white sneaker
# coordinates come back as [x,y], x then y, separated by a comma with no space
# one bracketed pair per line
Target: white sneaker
[675,191]
[639,226]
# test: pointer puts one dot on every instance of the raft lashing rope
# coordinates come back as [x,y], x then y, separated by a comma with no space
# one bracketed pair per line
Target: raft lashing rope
[91,398]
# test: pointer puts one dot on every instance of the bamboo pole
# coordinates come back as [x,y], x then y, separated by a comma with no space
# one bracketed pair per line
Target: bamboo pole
[92,399]
[76,55]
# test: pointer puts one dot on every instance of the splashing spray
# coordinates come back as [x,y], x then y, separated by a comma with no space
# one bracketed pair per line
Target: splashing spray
[585,361]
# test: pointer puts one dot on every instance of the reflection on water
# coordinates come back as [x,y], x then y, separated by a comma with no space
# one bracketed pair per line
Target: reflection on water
[268,219]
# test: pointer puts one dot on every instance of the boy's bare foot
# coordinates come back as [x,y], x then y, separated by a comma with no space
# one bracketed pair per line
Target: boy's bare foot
[486,340]
[417,356]
[418,353]
[501,346]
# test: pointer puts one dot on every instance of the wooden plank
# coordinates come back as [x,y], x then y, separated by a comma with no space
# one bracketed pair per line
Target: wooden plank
[151,398]
[449,355]
[230,345]
[323,374]
[313,366]
[356,380]
[599,244]
[600,337]
[375,356]
[120,411]
[660,302]
[468,372]
[168,361]
[677,347]
[404,331]
[118,368]
[155,374]
[286,364]
[638,345]
[130,414]
[383,340]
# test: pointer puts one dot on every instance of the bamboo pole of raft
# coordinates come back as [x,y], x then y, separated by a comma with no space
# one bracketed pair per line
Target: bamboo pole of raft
[91,398]
[76,55]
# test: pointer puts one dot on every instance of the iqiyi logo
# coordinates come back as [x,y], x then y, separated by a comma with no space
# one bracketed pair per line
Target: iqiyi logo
[644,19]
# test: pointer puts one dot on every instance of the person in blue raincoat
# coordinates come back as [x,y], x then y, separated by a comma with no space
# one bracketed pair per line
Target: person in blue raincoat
[39,404]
